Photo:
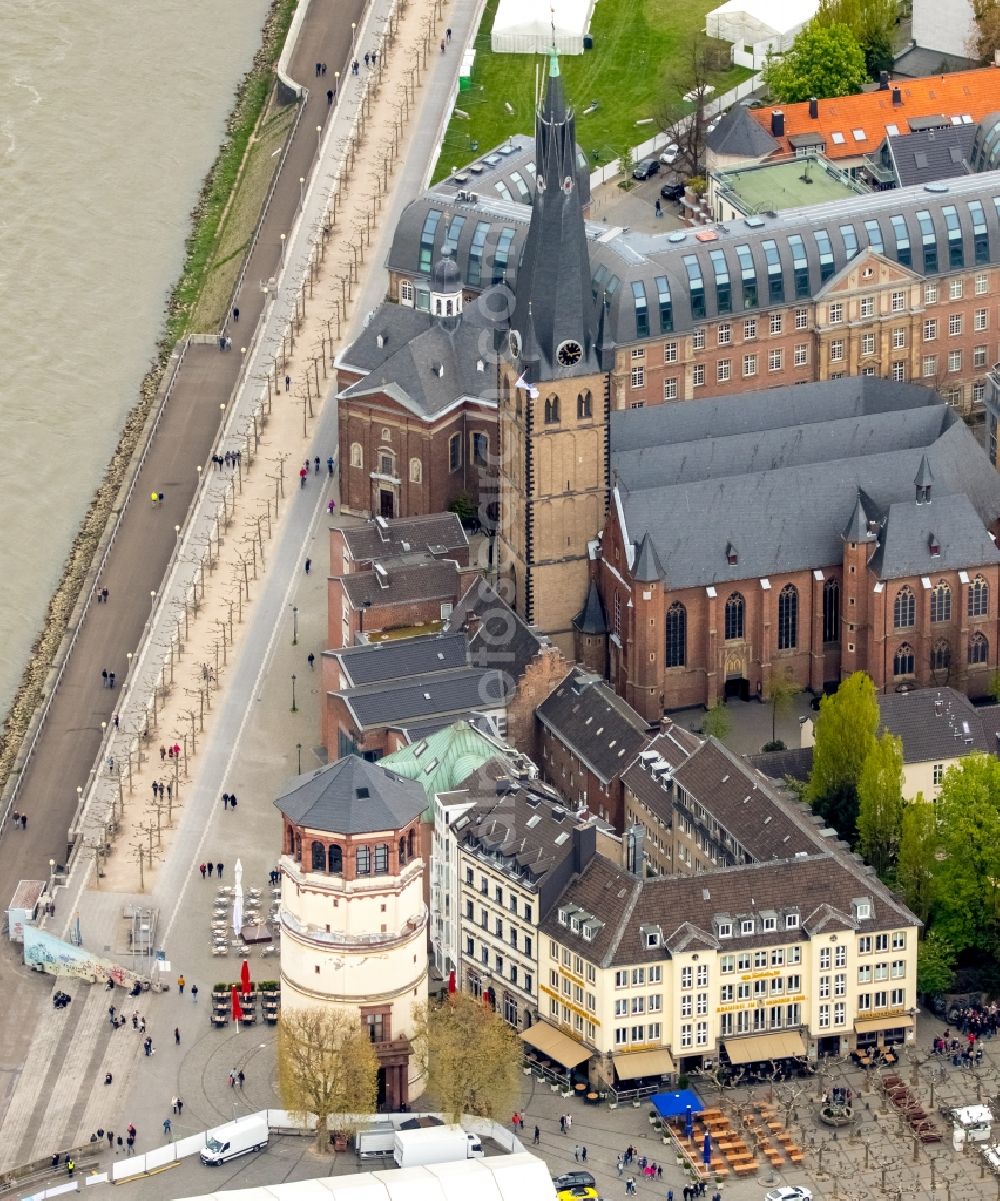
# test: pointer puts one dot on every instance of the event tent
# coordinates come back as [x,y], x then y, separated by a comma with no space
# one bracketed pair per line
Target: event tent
[522,27]
[754,27]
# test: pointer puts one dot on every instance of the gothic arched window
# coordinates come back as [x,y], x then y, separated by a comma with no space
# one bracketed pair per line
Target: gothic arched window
[735,610]
[902,663]
[903,608]
[584,405]
[676,635]
[788,618]
[941,602]
[979,597]
[831,611]
[940,655]
[979,649]
[551,410]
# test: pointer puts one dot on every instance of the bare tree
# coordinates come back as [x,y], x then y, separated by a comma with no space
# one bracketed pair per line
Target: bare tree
[685,94]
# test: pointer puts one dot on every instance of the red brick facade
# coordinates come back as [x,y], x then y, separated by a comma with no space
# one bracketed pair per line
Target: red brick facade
[724,656]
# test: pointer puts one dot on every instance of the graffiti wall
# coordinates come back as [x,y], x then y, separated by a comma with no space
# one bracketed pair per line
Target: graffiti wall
[47,953]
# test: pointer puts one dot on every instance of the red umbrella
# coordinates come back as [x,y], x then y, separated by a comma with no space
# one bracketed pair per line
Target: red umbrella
[237,1007]
[452,983]
[245,977]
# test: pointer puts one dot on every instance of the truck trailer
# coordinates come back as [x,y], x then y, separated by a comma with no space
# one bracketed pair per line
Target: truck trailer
[435,1144]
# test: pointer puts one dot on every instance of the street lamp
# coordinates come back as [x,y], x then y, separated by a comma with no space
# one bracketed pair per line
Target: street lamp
[298,747]
[52,874]
[354,26]
[198,469]
[282,250]
[319,138]
[128,657]
[336,84]
[177,530]
[295,707]
[302,191]
[295,625]
[152,599]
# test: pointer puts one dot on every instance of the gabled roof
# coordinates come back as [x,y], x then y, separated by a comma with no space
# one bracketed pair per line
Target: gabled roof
[738,135]
[647,568]
[936,724]
[498,637]
[399,658]
[929,154]
[443,693]
[352,796]
[965,94]
[951,523]
[597,726]
[396,584]
[382,538]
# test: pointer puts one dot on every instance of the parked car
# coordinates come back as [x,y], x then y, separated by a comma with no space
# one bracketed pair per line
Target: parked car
[646,169]
[789,1192]
[577,1194]
[672,191]
[668,155]
[574,1180]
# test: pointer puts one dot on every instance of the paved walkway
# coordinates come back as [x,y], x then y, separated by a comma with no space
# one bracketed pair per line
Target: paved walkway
[70,741]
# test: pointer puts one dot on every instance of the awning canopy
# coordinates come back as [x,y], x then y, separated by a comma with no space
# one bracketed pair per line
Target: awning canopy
[899,1021]
[643,1063]
[677,1103]
[782,1045]
[555,1044]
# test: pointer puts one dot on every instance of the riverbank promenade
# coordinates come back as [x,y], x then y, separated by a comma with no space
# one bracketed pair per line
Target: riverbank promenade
[70,740]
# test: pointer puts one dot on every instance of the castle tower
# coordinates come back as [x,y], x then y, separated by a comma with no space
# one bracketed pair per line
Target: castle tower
[554,394]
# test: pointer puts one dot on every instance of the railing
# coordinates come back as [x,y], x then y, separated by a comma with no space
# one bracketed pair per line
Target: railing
[340,938]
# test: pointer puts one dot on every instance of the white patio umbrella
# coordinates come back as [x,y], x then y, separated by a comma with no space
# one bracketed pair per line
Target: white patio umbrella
[238,900]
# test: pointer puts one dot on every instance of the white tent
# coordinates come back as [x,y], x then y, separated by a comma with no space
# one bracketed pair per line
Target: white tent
[524,27]
[759,24]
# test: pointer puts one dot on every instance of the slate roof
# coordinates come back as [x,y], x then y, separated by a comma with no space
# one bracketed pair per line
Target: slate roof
[970,94]
[380,538]
[932,724]
[352,796]
[685,907]
[399,658]
[591,619]
[501,639]
[431,579]
[646,780]
[597,726]
[444,760]
[444,693]
[743,804]
[919,61]
[796,762]
[904,541]
[738,135]
[425,363]
[929,154]
[790,516]
[527,826]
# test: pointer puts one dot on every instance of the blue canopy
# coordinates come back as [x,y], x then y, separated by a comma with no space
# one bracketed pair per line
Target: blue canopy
[676,1104]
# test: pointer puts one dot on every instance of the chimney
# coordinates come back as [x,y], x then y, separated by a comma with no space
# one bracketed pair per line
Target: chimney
[777,123]
[471,623]
[897,97]
[814,108]
[938,706]
[883,81]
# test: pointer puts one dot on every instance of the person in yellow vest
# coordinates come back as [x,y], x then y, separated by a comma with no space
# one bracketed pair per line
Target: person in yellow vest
[180,983]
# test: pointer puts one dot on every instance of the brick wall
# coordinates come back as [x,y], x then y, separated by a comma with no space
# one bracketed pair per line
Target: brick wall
[540,679]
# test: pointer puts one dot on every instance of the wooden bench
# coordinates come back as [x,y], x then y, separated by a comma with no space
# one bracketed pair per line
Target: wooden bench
[746,1169]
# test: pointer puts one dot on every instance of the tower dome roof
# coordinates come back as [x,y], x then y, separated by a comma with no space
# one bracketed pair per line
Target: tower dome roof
[446,277]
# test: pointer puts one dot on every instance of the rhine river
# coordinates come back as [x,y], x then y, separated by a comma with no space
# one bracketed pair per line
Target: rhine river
[110,115]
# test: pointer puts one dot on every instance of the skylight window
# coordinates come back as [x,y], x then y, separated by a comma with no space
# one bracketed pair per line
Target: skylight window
[837,138]
[860,135]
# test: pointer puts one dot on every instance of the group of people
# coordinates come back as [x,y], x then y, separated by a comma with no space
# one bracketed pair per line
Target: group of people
[229,459]
[208,868]
[965,1055]
[981,1020]
[647,1167]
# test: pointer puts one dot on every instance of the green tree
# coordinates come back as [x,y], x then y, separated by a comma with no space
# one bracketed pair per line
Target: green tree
[823,61]
[985,39]
[472,1058]
[845,735]
[873,23]
[880,803]
[780,692]
[326,1066]
[935,965]
[717,723]
[967,870]
[915,863]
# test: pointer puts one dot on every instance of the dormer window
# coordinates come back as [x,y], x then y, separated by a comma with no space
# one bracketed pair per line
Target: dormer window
[574,925]
[725,929]
[933,546]
[746,925]
[732,555]
[791,921]
[652,938]
[588,933]
[769,923]
[563,917]
[862,910]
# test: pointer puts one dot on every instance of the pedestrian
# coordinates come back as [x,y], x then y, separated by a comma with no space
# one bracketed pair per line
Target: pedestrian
[218,868]
[538,1135]
[329,465]
[173,1104]
[583,1154]
[115,720]
[367,59]
[104,595]
[166,1126]
[17,819]
[232,800]
[180,1104]
[24,821]
[316,465]
[318,67]
[153,498]
[222,347]
[448,34]
[104,676]
[210,868]
[225,800]
[569,1122]
[180,983]
[311,660]
[135,1021]
[142,1026]
[329,96]
[309,564]
[576,1153]
[241,1078]
[147,1046]
[177,1034]
[620,1165]
[330,506]
[562,1123]
[70,1167]
[170,791]
[236,314]
[303,475]
[194,993]
[111,679]
[323,72]
[111,1139]
[232,1079]
[659,209]
[288,383]
[442,45]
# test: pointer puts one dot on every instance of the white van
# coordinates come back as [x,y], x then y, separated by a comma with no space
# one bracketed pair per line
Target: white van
[235,1138]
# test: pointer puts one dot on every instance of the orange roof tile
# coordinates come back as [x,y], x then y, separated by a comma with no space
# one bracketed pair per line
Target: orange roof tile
[969,94]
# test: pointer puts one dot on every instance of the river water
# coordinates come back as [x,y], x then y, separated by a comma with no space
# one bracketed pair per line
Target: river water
[110,115]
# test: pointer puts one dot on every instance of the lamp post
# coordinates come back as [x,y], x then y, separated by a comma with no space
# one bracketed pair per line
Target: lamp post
[52,874]
[298,748]
[319,138]
[282,251]
[302,191]
[336,84]
[152,599]
[295,625]
[198,469]
[128,660]
[295,707]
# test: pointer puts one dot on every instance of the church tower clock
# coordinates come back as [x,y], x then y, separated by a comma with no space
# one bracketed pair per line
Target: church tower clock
[554,394]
